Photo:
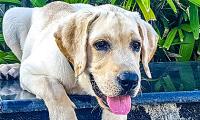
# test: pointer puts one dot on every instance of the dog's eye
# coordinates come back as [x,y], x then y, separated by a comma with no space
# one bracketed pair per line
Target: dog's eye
[102,45]
[135,46]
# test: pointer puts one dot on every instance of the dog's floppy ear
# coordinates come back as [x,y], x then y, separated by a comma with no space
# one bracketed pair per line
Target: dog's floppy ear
[149,43]
[71,38]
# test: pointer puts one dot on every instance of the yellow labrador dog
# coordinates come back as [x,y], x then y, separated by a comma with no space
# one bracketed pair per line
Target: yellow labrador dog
[80,49]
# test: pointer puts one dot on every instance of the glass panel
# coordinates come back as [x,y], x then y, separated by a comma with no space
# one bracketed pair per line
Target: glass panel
[168,76]
[172,76]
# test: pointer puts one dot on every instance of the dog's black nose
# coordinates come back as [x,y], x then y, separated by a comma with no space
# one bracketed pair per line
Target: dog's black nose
[128,80]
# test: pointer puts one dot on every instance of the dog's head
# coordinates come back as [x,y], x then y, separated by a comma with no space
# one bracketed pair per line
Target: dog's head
[107,45]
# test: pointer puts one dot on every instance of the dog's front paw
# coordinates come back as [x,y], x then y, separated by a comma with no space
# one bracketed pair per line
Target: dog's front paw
[107,115]
[9,71]
[61,113]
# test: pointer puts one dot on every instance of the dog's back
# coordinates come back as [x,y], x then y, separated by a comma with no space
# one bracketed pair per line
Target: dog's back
[18,21]
[16,24]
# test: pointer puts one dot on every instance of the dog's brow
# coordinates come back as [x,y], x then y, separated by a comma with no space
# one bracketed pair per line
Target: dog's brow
[135,39]
[135,36]
[102,36]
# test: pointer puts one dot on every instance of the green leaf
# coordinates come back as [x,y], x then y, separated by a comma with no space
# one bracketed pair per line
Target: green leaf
[156,29]
[198,50]
[170,38]
[161,42]
[171,4]
[186,49]
[67,1]
[113,2]
[128,4]
[148,15]
[38,3]
[185,27]
[85,1]
[180,33]
[1,38]
[194,20]
[164,21]
[196,2]
[2,54]
[176,41]
[7,57]
[11,58]
[146,4]
[133,6]
[10,1]
[2,61]
[185,16]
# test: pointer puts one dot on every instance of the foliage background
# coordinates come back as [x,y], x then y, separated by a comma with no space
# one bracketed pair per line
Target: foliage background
[176,22]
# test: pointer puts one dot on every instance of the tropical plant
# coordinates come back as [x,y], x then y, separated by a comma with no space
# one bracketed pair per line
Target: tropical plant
[38,3]
[178,29]
[16,2]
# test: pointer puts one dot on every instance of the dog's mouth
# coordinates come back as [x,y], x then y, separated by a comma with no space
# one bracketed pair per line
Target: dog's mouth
[120,105]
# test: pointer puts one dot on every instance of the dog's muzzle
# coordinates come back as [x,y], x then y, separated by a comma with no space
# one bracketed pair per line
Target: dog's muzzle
[121,104]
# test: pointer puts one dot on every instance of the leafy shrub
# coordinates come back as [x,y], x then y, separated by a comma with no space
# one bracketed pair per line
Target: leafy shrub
[176,22]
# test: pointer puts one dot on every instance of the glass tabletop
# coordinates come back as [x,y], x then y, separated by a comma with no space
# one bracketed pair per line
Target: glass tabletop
[172,76]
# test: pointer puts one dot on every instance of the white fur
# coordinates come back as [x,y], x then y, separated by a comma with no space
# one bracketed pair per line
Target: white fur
[44,69]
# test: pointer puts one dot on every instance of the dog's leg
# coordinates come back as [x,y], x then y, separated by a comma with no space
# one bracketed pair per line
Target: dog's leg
[107,115]
[59,105]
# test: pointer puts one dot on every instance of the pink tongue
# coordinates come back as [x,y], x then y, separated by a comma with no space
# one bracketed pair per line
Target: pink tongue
[120,105]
